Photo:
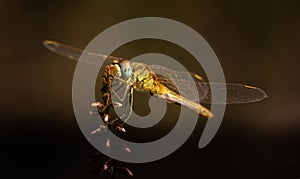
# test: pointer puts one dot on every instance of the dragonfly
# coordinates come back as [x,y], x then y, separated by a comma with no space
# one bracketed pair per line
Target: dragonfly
[168,84]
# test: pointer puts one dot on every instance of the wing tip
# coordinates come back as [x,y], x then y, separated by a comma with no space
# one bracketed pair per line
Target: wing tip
[264,95]
[50,44]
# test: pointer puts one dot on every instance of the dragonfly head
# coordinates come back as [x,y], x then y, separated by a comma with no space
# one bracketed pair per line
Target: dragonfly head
[126,69]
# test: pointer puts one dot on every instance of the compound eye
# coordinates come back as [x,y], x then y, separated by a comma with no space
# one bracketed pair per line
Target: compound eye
[126,69]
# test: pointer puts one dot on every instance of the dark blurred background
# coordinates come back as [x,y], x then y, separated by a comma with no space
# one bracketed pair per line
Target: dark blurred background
[257,43]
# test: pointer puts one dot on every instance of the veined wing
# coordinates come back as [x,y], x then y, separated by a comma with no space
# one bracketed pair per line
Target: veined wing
[122,93]
[75,53]
[181,82]
[235,93]
[185,82]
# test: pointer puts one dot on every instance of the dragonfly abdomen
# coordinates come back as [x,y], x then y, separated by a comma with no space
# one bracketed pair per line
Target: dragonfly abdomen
[176,98]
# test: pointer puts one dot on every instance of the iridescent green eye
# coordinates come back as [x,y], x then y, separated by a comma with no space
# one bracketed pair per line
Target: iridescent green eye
[126,69]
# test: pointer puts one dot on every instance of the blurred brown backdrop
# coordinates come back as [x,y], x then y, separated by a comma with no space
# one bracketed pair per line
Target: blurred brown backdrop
[257,43]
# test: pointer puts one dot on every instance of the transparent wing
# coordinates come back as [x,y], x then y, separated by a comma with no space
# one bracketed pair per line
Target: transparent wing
[123,94]
[119,89]
[181,81]
[236,93]
[75,53]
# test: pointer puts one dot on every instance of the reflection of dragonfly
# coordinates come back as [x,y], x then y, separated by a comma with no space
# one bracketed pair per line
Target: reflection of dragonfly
[170,85]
